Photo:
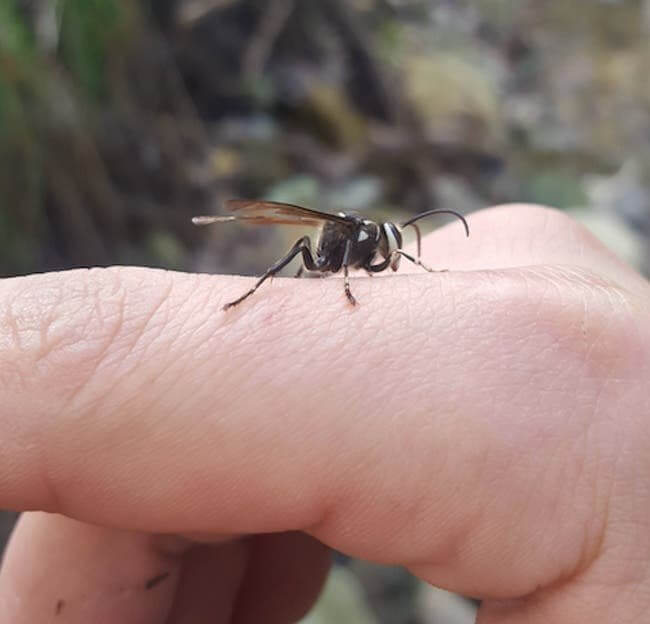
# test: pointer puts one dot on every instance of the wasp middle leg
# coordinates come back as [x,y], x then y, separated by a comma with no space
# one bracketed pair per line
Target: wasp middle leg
[346,276]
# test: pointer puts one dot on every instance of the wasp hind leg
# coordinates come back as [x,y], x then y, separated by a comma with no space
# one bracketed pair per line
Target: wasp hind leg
[302,246]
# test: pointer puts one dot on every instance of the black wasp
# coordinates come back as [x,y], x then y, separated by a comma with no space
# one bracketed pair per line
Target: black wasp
[345,241]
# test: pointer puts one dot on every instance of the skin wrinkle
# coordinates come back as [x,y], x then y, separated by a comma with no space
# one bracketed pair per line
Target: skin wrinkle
[9,348]
[118,293]
[601,323]
[504,362]
[454,313]
[622,527]
[53,500]
[131,339]
[175,331]
[527,505]
[569,474]
[9,320]
[73,351]
[69,304]
[44,346]
[591,455]
[44,434]
[370,454]
[151,330]
[456,545]
[593,337]
[98,399]
[539,320]
[35,436]
[560,501]
[602,502]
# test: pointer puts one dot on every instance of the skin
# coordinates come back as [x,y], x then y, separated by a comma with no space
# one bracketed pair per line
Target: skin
[486,428]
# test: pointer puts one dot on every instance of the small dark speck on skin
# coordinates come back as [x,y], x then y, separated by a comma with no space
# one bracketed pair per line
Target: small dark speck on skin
[156,580]
[59,607]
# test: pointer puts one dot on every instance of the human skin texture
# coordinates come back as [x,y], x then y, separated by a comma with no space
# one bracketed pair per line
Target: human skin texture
[487,427]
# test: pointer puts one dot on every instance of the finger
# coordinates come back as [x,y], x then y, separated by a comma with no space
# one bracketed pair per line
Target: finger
[55,568]
[267,578]
[285,575]
[128,399]
[210,582]
[113,576]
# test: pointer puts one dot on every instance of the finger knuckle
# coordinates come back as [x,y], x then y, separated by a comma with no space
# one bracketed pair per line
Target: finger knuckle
[589,320]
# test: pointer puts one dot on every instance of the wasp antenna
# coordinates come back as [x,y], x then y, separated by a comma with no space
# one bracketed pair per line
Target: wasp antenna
[209,220]
[432,212]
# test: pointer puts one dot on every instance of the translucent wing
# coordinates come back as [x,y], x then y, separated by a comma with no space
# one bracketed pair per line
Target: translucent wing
[260,212]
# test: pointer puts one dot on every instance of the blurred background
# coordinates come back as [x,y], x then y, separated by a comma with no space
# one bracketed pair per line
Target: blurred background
[121,119]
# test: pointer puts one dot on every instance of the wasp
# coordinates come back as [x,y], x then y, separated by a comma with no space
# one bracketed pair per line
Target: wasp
[345,241]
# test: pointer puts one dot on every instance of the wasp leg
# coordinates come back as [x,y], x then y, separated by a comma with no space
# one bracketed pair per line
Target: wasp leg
[302,246]
[379,267]
[346,286]
[418,258]
[418,262]
[299,272]
[346,276]
[418,239]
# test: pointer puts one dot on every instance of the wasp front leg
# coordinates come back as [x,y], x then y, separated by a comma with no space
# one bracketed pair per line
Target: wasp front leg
[417,261]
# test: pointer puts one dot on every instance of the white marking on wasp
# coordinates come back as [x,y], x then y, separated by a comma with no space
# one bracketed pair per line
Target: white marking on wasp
[363,235]
[393,241]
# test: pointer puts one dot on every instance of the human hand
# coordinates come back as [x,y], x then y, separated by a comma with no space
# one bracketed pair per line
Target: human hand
[486,428]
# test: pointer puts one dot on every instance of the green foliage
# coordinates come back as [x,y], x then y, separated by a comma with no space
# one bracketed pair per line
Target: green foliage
[16,61]
[14,36]
[90,30]
[43,94]
[19,151]
[555,187]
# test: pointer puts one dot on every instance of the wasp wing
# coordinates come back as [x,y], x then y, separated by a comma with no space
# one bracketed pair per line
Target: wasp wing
[279,212]
[261,212]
